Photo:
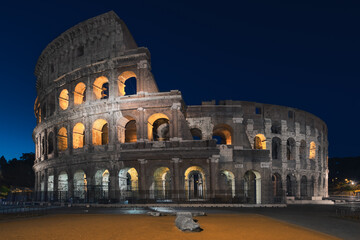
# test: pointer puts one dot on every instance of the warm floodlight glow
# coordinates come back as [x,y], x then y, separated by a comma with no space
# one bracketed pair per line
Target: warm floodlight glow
[78,135]
[62,139]
[122,79]
[312,153]
[99,88]
[260,142]
[79,93]
[64,99]
[100,132]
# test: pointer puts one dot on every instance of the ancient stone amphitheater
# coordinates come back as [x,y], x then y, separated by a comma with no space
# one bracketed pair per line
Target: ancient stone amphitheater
[106,134]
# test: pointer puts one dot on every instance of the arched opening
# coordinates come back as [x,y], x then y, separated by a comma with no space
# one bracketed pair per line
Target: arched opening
[100,132]
[260,142]
[195,185]
[312,153]
[252,187]
[290,185]
[302,153]
[303,187]
[130,131]
[62,139]
[79,93]
[228,183]
[290,149]
[78,136]
[101,88]
[277,187]
[276,148]
[161,183]
[80,185]
[222,134]
[158,127]
[64,99]
[102,184]
[276,128]
[62,186]
[50,188]
[50,143]
[128,183]
[130,87]
[196,133]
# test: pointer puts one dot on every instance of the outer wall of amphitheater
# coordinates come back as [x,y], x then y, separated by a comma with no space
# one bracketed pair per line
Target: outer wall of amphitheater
[105,133]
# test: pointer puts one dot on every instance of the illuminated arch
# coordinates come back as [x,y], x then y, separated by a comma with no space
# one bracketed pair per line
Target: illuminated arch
[100,132]
[195,182]
[312,153]
[260,142]
[78,135]
[62,139]
[62,185]
[101,88]
[229,182]
[223,134]
[252,187]
[122,79]
[128,180]
[102,179]
[80,184]
[79,93]
[158,127]
[64,99]
[161,183]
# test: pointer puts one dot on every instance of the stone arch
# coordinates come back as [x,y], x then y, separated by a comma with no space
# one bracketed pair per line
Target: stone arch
[195,182]
[161,185]
[64,99]
[100,132]
[80,185]
[79,93]
[303,187]
[63,186]
[290,149]
[101,88]
[128,182]
[290,185]
[228,183]
[50,141]
[252,187]
[196,133]
[62,139]
[102,179]
[78,135]
[158,127]
[312,152]
[302,154]
[277,187]
[260,142]
[122,88]
[276,148]
[222,133]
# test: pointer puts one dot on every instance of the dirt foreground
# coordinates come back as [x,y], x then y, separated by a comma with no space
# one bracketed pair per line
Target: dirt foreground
[138,227]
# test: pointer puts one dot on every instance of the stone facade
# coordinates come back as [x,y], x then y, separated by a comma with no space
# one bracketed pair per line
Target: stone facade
[95,141]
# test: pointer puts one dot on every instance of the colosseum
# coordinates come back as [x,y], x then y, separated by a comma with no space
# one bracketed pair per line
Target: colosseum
[106,134]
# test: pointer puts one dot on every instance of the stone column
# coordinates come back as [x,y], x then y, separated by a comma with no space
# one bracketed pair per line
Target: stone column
[143,74]
[174,124]
[142,178]
[239,135]
[176,189]
[45,194]
[56,186]
[214,171]
[70,185]
[114,185]
[297,186]
[141,125]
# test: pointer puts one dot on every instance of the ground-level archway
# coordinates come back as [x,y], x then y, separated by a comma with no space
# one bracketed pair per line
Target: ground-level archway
[102,184]
[63,186]
[128,183]
[227,184]
[195,183]
[252,187]
[80,185]
[161,185]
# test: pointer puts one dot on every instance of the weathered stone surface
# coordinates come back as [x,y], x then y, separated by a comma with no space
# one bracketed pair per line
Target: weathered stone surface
[154,214]
[185,222]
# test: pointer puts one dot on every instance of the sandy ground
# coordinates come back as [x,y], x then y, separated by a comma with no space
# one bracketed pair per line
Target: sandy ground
[102,226]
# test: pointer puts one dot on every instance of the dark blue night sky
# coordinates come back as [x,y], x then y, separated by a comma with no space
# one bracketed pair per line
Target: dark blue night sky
[300,55]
